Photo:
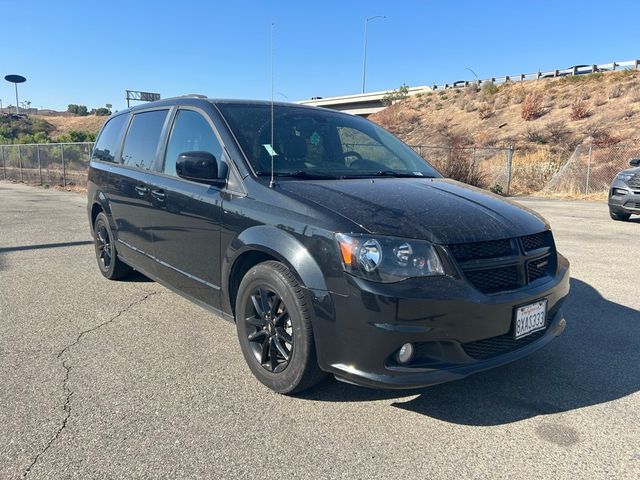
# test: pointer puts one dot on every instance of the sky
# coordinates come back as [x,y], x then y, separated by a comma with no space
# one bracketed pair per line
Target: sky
[89,52]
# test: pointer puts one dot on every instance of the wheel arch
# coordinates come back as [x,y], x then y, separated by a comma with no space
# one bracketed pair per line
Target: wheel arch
[100,204]
[262,243]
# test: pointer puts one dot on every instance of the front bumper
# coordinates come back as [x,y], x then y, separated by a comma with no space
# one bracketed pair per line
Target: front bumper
[456,329]
[629,202]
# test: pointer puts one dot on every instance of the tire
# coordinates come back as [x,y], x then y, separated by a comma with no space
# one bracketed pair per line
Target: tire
[266,340]
[623,217]
[108,262]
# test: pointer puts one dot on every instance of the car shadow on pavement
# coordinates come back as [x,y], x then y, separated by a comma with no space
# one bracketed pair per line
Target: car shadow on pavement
[135,277]
[596,360]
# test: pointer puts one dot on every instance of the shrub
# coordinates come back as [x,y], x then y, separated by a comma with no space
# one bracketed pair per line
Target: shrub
[579,109]
[489,88]
[535,136]
[557,132]
[599,101]
[395,96]
[518,96]
[634,94]
[497,189]
[615,91]
[532,106]
[459,166]
[485,111]
[471,88]
[102,112]
[600,136]
[470,107]
[73,136]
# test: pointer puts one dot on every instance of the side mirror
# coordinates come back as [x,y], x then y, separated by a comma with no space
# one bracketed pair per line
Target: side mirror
[635,162]
[198,167]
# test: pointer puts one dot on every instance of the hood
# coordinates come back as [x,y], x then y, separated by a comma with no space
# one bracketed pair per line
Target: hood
[629,170]
[440,210]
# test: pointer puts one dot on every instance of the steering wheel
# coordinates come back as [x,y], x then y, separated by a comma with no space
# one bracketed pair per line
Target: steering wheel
[351,153]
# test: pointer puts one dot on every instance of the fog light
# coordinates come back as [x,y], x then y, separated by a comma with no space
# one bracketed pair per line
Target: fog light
[405,354]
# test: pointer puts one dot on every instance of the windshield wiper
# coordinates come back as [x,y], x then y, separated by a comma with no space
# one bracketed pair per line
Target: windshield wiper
[300,174]
[391,173]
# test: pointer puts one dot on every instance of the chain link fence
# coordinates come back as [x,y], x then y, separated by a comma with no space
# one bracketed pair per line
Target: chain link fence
[485,167]
[46,163]
[591,169]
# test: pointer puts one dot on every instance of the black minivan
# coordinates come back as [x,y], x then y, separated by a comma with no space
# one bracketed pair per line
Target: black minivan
[332,245]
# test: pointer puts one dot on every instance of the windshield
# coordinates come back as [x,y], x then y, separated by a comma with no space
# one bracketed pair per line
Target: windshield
[319,144]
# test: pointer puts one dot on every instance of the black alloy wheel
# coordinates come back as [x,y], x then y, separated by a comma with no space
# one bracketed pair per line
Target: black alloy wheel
[270,331]
[106,254]
[273,321]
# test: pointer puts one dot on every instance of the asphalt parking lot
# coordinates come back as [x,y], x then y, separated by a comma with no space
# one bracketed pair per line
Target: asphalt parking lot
[103,379]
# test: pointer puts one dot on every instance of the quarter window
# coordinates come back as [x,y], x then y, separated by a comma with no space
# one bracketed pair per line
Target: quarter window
[107,144]
[191,133]
[141,144]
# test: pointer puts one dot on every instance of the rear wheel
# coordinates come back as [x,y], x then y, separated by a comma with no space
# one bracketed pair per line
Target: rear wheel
[619,216]
[108,262]
[274,329]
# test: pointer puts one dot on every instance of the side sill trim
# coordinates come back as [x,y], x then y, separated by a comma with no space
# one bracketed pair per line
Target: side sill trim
[165,264]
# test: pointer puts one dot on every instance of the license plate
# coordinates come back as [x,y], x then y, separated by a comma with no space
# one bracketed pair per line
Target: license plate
[530,318]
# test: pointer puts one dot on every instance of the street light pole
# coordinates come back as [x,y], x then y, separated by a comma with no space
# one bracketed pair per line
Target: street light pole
[364,57]
[474,73]
[17,110]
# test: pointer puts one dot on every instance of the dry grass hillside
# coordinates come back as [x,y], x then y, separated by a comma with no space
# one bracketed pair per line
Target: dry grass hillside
[65,124]
[603,108]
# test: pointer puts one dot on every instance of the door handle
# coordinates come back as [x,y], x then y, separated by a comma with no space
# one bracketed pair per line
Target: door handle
[141,189]
[158,194]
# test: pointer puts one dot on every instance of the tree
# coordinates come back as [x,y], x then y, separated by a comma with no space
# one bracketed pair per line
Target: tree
[77,109]
[102,112]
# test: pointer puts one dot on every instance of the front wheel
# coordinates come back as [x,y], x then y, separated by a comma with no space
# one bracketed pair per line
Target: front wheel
[623,217]
[274,329]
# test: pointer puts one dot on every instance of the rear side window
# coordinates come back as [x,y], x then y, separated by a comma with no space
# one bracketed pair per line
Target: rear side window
[191,132]
[109,140]
[142,140]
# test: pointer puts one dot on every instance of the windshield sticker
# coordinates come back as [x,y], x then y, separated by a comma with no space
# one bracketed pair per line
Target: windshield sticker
[315,138]
[269,149]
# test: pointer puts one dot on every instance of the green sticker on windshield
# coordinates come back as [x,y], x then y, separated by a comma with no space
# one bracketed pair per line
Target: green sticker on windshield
[269,149]
[315,138]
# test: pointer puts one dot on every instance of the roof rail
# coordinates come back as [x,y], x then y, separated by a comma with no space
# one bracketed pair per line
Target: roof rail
[188,95]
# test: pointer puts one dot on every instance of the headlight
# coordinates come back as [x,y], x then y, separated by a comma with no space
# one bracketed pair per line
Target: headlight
[388,259]
[624,176]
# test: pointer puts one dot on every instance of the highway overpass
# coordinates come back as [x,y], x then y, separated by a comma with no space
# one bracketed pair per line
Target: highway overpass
[363,104]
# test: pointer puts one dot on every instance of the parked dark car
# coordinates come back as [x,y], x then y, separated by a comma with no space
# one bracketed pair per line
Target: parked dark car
[333,246]
[624,194]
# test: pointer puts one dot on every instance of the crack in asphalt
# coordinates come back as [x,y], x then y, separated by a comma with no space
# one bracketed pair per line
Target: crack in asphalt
[65,382]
